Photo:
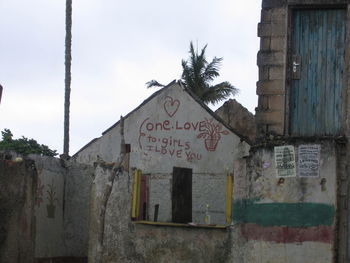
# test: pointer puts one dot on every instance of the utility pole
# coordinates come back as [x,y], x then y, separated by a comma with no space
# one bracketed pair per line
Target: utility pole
[68,60]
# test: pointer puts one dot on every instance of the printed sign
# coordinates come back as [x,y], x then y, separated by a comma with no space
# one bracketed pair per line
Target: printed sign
[309,160]
[285,161]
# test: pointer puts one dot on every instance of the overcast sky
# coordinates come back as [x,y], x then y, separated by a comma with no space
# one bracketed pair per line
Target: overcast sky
[117,46]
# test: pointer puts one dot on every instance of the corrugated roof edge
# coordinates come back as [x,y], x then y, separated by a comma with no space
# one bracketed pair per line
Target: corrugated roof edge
[194,96]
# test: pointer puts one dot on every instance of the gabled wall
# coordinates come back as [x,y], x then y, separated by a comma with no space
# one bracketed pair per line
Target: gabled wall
[169,130]
[163,132]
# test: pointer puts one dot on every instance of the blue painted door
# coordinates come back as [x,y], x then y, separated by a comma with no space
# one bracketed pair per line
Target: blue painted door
[317,66]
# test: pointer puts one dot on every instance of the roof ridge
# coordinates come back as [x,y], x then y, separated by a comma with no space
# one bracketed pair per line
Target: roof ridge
[193,96]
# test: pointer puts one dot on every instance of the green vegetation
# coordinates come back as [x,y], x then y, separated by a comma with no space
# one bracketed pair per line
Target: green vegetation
[197,76]
[24,145]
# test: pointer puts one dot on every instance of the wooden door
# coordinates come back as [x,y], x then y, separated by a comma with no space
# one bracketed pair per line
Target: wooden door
[317,67]
[182,195]
[144,193]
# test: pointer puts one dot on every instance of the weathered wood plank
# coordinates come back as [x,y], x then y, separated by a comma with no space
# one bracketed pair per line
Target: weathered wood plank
[319,38]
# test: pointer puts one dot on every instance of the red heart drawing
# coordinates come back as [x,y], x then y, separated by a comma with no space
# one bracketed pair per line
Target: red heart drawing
[171,106]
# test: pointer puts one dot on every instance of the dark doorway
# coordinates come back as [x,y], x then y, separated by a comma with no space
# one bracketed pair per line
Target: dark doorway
[182,195]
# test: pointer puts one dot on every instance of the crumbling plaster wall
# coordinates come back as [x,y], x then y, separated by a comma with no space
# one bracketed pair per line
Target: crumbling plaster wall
[77,208]
[130,242]
[288,219]
[17,198]
[62,208]
[277,221]
[49,207]
[30,229]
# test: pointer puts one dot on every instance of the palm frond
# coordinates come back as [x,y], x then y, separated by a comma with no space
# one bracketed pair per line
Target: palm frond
[197,75]
[212,69]
[187,74]
[218,92]
[193,69]
[153,83]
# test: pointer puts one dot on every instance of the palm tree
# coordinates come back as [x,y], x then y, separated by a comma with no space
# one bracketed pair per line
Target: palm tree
[68,60]
[198,74]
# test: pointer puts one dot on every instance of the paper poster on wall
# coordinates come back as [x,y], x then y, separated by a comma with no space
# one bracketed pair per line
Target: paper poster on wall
[309,160]
[285,161]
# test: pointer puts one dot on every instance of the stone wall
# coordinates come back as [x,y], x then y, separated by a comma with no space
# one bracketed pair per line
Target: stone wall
[239,118]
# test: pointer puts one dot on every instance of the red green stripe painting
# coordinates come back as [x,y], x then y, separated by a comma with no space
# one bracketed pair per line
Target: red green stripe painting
[285,222]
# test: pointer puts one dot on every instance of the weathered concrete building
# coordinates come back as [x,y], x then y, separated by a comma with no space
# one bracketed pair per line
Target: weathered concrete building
[180,165]
[291,193]
[303,128]
[174,200]
[171,135]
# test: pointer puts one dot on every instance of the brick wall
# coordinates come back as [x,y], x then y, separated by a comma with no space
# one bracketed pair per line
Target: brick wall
[271,61]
